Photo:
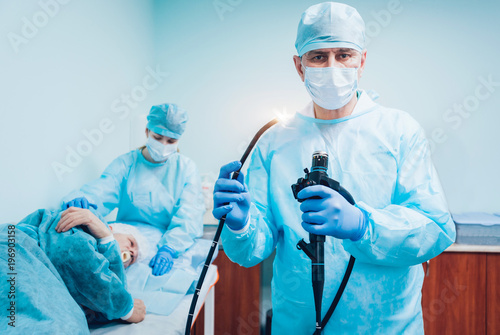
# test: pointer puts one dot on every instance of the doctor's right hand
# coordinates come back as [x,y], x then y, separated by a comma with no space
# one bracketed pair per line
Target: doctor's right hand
[231,197]
[139,312]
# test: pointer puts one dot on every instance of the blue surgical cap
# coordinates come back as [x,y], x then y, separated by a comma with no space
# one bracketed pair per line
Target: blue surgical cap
[330,25]
[167,120]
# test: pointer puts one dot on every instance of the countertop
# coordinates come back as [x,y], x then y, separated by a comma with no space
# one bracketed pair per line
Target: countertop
[209,232]
[473,248]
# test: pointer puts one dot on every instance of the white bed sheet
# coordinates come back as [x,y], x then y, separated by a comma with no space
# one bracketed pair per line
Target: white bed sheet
[173,324]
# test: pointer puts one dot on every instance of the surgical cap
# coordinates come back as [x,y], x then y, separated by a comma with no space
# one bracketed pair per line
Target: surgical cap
[142,242]
[330,25]
[167,120]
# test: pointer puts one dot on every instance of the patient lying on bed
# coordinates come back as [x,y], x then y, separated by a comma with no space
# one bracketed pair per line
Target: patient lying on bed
[80,261]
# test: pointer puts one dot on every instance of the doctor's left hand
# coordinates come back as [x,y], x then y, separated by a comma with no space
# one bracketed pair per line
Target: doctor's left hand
[74,216]
[330,214]
[163,261]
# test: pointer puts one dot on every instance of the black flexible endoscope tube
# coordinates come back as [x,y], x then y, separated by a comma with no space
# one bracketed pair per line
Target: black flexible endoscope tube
[315,248]
[319,169]
[318,276]
[219,228]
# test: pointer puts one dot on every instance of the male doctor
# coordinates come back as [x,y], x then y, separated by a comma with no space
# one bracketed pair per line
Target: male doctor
[380,155]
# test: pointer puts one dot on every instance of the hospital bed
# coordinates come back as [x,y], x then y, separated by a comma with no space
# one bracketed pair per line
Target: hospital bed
[167,298]
[175,322]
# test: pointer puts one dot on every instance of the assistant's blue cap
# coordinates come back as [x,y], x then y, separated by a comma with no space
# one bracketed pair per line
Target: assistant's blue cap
[330,25]
[167,120]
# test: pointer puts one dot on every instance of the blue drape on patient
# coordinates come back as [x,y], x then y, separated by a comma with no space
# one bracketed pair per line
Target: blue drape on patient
[42,301]
[90,273]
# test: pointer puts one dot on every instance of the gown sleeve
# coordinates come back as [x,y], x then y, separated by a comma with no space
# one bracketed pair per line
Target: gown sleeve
[258,239]
[417,225]
[187,219]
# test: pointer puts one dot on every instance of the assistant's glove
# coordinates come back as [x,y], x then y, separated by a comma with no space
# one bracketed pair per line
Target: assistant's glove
[163,261]
[80,202]
[331,214]
[231,197]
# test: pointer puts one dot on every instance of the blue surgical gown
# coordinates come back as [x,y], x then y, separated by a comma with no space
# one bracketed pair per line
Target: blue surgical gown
[92,272]
[166,195]
[382,158]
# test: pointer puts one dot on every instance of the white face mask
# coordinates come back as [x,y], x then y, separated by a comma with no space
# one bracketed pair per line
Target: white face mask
[158,151]
[331,87]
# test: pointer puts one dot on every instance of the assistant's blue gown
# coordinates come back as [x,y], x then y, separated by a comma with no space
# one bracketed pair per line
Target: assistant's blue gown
[166,195]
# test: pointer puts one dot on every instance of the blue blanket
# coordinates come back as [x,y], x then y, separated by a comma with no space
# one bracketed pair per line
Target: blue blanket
[33,290]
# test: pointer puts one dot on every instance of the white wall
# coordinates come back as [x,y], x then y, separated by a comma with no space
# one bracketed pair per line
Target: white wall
[59,82]
[231,68]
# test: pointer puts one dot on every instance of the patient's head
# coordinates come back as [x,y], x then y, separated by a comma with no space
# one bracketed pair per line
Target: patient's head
[131,242]
[128,247]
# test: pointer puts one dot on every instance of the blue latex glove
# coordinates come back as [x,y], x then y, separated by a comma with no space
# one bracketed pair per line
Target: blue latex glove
[163,261]
[80,202]
[331,214]
[231,197]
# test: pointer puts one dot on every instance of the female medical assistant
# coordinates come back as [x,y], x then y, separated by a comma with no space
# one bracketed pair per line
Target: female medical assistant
[153,185]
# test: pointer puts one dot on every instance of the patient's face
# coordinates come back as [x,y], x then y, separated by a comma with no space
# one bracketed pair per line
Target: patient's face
[127,242]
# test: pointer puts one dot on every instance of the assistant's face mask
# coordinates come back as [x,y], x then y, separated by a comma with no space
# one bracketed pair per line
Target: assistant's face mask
[331,87]
[158,151]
